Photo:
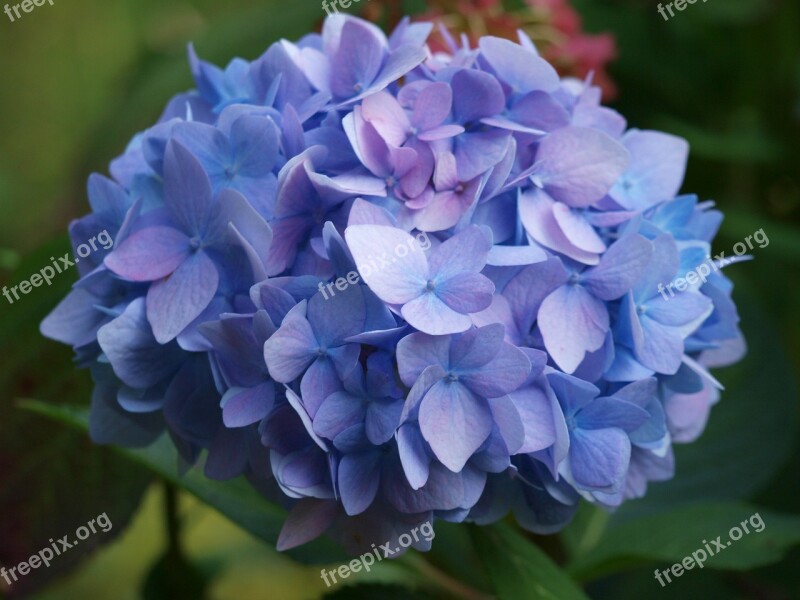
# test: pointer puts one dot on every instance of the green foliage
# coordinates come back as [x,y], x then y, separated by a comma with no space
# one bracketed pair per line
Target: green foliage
[519,569]
[672,535]
[236,499]
[371,591]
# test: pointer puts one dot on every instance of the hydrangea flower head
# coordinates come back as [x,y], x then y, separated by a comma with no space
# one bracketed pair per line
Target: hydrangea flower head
[399,286]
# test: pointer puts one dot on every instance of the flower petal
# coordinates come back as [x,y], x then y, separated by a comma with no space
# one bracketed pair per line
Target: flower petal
[174,302]
[454,422]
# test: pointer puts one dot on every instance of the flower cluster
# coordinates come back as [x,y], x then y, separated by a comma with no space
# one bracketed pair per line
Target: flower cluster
[269,299]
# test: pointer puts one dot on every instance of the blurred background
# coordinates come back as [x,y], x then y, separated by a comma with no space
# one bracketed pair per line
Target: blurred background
[79,78]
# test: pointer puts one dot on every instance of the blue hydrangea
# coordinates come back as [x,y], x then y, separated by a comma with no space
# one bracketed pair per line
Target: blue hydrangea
[390,287]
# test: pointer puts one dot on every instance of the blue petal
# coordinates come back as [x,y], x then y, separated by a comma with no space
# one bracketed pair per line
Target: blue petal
[454,422]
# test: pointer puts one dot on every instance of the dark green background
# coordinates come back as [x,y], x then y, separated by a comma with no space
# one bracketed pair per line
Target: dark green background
[78,79]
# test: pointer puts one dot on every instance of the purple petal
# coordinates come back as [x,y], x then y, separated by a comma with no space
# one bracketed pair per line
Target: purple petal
[297,405]
[187,189]
[432,106]
[445,177]
[454,422]
[464,252]
[540,110]
[515,256]
[430,315]
[535,410]
[475,348]
[688,414]
[366,213]
[338,317]
[660,348]
[359,478]
[625,367]
[418,351]
[504,123]
[388,118]
[572,322]
[288,232]
[604,413]
[372,150]
[238,212]
[537,214]
[620,268]
[207,143]
[656,169]
[413,455]
[357,60]
[291,349]
[476,95]
[680,310]
[599,459]
[307,520]
[508,421]
[478,152]
[441,133]
[578,166]
[255,141]
[338,412]
[107,197]
[519,68]
[400,61]
[175,302]
[149,254]
[319,381]
[393,278]
[503,374]
[132,350]
[466,292]
[527,291]
[577,229]
[382,420]
[245,406]
[75,320]
[443,212]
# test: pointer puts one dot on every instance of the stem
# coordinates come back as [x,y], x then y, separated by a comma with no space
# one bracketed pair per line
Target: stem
[175,558]
[444,581]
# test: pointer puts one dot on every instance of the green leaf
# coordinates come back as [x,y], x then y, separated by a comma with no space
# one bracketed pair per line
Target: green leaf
[519,569]
[585,529]
[672,536]
[236,499]
[372,591]
[454,553]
